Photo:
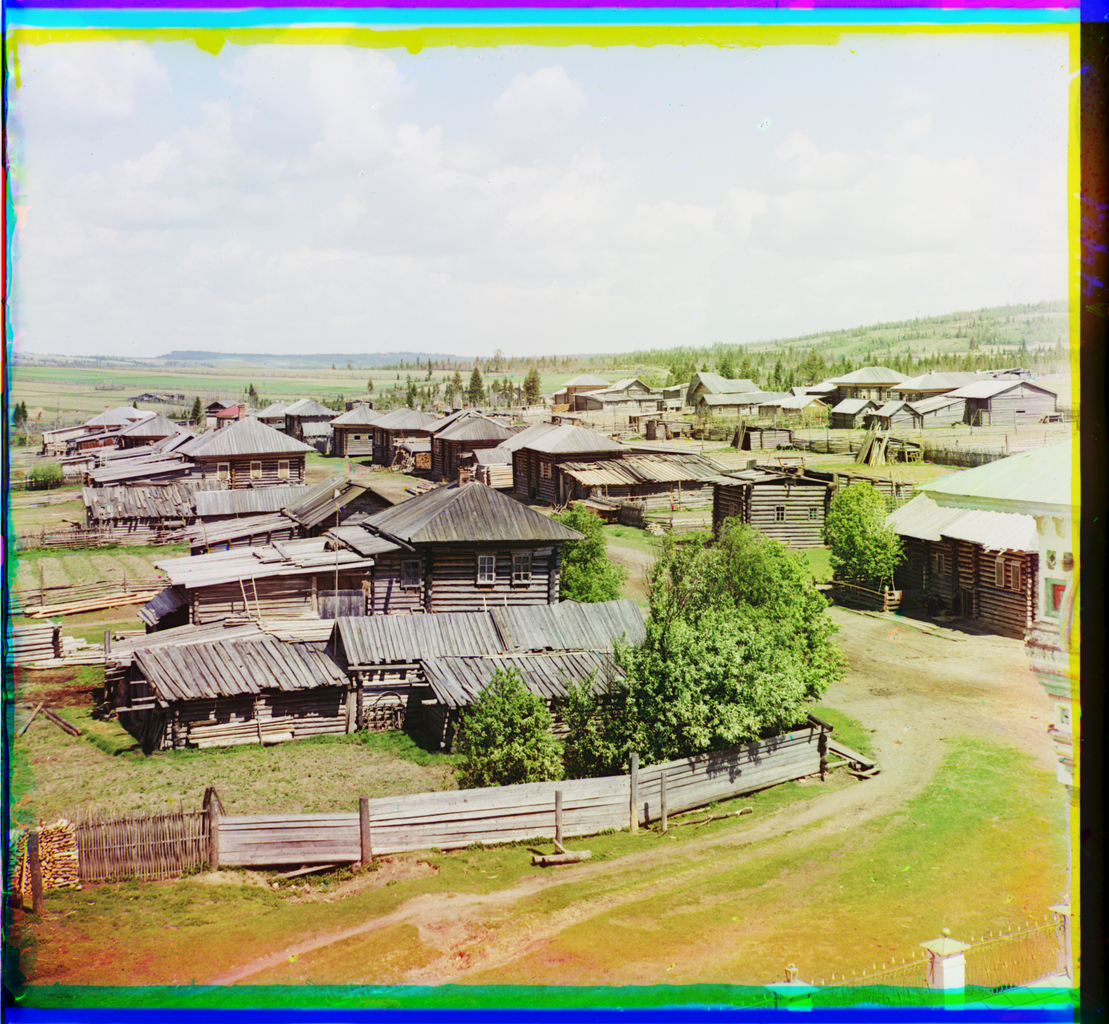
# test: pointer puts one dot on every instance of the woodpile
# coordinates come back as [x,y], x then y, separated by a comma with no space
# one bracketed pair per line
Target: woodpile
[94,605]
[35,643]
[58,857]
[494,474]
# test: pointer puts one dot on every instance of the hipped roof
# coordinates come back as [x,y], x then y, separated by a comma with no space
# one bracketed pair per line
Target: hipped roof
[560,439]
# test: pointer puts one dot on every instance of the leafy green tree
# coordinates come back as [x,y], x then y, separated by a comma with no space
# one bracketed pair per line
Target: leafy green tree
[506,737]
[587,573]
[532,385]
[865,549]
[738,645]
[476,390]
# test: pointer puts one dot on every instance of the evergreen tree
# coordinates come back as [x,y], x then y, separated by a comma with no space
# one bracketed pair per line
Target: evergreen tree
[532,385]
[429,368]
[197,414]
[457,387]
[476,390]
[370,386]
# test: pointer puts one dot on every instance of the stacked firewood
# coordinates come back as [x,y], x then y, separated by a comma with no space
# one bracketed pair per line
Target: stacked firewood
[57,857]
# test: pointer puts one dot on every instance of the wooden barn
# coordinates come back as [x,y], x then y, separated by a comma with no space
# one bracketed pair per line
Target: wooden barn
[576,386]
[787,507]
[994,403]
[157,514]
[399,425]
[352,434]
[851,412]
[753,439]
[971,564]
[877,383]
[539,451]
[459,549]
[454,446]
[301,416]
[940,411]
[931,385]
[249,454]
[894,415]
[713,384]
[675,481]
[809,409]
[114,420]
[628,395]
[273,415]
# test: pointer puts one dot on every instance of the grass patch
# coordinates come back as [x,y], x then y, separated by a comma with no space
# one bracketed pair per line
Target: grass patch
[847,729]
[631,537]
[819,562]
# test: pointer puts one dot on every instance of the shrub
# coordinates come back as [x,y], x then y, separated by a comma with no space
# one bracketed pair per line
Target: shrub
[45,476]
[587,573]
[506,736]
[865,549]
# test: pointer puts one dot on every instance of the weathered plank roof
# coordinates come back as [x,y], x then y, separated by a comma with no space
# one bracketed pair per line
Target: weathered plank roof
[569,626]
[143,468]
[315,428]
[175,500]
[246,501]
[637,469]
[560,439]
[226,668]
[939,380]
[309,407]
[467,514]
[878,375]
[802,402]
[157,427]
[228,530]
[890,407]
[742,398]
[493,456]
[286,558]
[118,417]
[316,630]
[475,428]
[922,518]
[359,416]
[247,437]
[457,682]
[853,406]
[363,641]
[274,411]
[162,604]
[405,419]
[714,384]
[326,500]
[927,405]
[993,388]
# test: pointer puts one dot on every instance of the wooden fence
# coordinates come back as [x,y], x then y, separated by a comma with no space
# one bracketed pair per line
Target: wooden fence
[854,596]
[30,597]
[455,819]
[141,845]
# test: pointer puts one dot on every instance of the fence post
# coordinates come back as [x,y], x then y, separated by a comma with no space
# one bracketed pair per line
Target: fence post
[662,800]
[1061,913]
[364,830]
[558,817]
[34,866]
[946,966]
[107,643]
[213,831]
[633,809]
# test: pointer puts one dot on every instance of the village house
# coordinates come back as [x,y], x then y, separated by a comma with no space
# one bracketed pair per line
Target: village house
[975,565]
[897,414]
[577,386]
[351,434]
[308,420]
[850,412]
[229,414]
[453,446]
[732,406]
[676,481]
[357,400]
[787,507]
[212,408]
[992,403]
[153,514]
[539,451]
[930,385]
[756,438]
[398,426]
[146,431]
[877,383]
[706,383]
[809,409]
[249,454]
[273,415]
[628,395]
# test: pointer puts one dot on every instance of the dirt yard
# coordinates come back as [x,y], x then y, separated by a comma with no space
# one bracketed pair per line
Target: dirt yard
[961,828]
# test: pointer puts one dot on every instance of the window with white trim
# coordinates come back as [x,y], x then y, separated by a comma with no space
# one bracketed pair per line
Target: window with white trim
[999,572]
[487,569]
[223,470]
[410,572]
[283,469]
[779,513]
[256,471]
[521,567]
[545,471]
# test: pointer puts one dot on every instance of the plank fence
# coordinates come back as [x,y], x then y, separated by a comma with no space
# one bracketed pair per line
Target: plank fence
[854,596]
[456,819]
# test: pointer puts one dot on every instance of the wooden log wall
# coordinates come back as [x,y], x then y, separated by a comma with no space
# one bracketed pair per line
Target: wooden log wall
[352,441]
[804,507]
[451,584]
[270,717]
[654,497]
[240,470]
[451,820]
[387,596]
[1019,406]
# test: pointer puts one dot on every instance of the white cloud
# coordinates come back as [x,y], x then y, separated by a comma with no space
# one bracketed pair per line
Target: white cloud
[547,93]
[911,129]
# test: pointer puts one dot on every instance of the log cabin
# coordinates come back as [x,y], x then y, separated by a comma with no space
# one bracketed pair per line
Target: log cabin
[454,446]
[400,424]
[146,431]
[307,411]
[713,384]
[754,438]
[675,481]
[459,548]
[352,435]
[975,565]
[249,454]
[627,395]
[993,403]
[576,386]
[539,452]
[850,412]
[788,507]
[877,383]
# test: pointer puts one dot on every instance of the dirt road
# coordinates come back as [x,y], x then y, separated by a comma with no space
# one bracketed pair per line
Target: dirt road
[915,686]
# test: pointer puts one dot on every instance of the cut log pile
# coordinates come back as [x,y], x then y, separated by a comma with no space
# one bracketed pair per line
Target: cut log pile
[494,475]
[58,857]
[34,643]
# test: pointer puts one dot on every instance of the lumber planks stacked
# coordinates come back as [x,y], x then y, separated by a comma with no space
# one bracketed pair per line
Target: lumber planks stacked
[93,605]
[35,643]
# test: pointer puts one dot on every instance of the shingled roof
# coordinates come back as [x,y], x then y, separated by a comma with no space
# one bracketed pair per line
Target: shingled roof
[359,416]
[248,437]
[467,514]
[156,427]
[560,439]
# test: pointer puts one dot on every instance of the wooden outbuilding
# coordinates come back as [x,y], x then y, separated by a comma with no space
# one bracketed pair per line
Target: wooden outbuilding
[971,564]
[850,413]
[146,431]
[302,415]
[249,454]
[396,426]
[931,385]
[713,384]
[154,514]
[627,395]
[273,415]
[655,481]
[996,403]
[787,507]
[877,383]
[454,446]
[539,451]
[755,438]
[576,386]
[352,434]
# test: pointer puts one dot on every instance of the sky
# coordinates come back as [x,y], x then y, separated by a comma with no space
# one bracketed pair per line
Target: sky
[283,199]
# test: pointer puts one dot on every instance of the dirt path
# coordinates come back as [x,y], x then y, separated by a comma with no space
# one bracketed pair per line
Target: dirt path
[912,685]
